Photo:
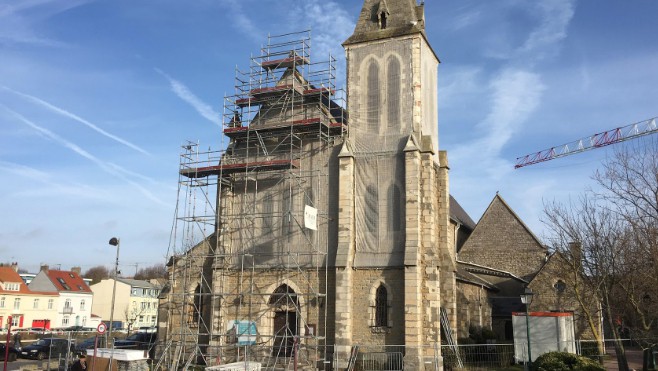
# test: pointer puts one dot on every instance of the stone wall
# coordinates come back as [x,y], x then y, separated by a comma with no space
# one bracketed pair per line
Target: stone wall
[503,242]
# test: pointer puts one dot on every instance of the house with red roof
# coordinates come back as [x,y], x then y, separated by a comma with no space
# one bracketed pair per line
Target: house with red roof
[74,301]
[25,307]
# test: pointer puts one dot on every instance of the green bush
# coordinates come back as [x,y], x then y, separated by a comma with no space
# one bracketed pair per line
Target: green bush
[563,361]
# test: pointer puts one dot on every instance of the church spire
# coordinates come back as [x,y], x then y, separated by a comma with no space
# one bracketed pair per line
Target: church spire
[380,19]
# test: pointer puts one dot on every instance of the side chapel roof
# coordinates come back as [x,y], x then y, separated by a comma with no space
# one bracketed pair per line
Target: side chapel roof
[501,240]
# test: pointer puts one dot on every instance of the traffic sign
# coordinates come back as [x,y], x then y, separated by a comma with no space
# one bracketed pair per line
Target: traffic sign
[101,328]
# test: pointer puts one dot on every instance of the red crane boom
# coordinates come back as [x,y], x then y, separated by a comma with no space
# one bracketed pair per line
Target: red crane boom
[603,139]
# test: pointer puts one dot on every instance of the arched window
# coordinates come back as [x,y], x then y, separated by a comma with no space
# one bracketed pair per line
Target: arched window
[373,96]
[381,307]
[82,304]
[372,209]
[393,93]
[67,303]
[394,208]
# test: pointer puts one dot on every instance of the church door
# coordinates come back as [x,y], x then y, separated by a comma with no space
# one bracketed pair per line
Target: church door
[285,330]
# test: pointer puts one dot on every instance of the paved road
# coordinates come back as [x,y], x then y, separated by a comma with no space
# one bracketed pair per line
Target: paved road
[633,356]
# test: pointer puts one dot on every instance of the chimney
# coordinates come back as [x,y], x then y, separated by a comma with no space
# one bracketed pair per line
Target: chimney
[76,270]
[14,266]
[44,268]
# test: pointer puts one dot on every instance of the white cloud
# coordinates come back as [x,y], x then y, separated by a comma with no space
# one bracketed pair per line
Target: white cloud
[516,94]
[242,21]
[555,18]
[204,109]
[77,118]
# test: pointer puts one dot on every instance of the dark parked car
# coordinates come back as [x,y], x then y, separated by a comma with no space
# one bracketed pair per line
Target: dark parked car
[138,340]
[13,353]
[51,348]
[82,346]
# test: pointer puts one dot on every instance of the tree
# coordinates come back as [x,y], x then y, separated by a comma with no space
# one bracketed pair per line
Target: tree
[155,271]
[97,273]
[616,232]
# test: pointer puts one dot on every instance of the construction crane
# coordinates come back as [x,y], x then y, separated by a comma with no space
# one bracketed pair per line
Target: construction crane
[599,140]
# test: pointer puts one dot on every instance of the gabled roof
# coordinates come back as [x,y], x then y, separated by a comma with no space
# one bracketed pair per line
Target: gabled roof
[68,281]
[9,275]
[502,240]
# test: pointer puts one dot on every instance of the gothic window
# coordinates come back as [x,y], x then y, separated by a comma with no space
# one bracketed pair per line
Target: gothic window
[268,213]
[287,208]
[393,93]
[372,209]
[394,208]
[381,307]
[373,97]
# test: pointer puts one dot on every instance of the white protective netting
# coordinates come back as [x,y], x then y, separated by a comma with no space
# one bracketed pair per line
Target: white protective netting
[383,114]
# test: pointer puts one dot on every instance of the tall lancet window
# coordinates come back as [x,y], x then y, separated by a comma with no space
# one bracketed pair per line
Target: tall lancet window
[373,96]
[372,209]
[393,93]
[381,307]
[394,208]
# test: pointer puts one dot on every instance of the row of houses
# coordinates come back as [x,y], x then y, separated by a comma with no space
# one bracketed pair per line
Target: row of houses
[59,299]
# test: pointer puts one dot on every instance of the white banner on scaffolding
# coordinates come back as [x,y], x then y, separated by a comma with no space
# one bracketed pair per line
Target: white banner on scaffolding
[311,217]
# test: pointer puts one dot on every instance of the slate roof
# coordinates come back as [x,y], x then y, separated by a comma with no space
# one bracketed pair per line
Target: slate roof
[138,283]
[68,281]
[459,214]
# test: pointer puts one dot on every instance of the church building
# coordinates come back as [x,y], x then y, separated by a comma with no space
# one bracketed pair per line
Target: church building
[325,230]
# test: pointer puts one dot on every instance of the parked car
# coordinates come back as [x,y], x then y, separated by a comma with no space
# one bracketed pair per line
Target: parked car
[38,330]
[13,353]
[48,348]
[147,329]
[82,346]
[138,340]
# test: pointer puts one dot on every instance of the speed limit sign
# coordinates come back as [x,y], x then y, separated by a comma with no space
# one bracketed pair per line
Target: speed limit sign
[101,328]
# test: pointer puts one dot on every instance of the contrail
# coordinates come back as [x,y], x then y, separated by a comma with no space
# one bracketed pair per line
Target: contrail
[75,117]
[110,169]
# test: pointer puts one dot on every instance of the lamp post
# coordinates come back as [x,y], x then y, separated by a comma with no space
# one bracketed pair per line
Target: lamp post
[114,242]
[526,298]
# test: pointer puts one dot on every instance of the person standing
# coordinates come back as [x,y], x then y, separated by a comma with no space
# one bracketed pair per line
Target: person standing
[80,364]
[17,340]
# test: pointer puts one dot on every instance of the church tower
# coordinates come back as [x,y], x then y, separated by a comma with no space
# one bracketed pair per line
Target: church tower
[393,187]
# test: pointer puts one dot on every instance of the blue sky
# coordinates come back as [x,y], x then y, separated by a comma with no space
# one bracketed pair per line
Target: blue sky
[97,97]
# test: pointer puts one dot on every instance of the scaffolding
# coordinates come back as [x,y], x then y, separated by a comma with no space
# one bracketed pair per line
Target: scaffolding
[249,254]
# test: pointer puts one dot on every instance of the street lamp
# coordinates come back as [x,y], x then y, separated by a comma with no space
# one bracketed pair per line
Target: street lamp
[114,242]
[526,298]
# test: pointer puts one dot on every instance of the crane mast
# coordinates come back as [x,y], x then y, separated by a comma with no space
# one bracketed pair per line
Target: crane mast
[598,140]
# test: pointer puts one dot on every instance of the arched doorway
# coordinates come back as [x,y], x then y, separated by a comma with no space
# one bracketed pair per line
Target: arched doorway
[285,304]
